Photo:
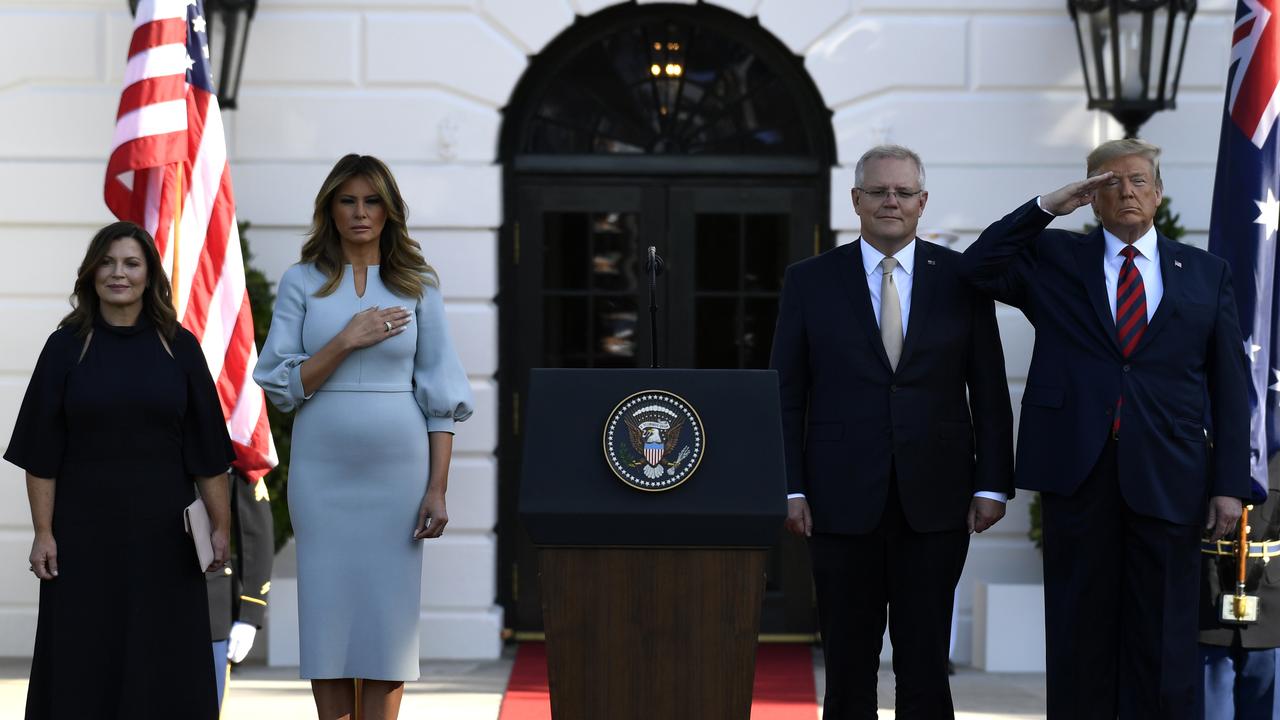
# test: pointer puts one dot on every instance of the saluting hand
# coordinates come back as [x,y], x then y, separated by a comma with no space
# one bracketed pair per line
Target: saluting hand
[1066,199]
[372,326]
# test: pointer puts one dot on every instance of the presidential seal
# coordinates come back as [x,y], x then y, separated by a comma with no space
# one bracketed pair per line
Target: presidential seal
[654,440]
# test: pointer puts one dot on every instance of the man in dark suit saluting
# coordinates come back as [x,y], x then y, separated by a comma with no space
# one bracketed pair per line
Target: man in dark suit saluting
[1134,428]
[878,343]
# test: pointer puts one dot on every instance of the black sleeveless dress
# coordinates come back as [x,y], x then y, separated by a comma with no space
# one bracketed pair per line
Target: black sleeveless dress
[123,631]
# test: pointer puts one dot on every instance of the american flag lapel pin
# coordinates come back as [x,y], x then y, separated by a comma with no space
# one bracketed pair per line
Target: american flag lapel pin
[1177,263]
[932,262]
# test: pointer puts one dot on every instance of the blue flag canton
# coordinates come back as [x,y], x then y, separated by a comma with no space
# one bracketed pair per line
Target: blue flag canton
[198,72]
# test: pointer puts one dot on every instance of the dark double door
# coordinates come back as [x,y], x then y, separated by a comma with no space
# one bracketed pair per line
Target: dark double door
[580,298]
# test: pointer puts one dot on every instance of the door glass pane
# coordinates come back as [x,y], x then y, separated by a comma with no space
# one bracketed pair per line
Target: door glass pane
[759,318]
[565,331]
[764,252]
[565,247]
[613,255]
[716,251]
[715,332]
[615,325]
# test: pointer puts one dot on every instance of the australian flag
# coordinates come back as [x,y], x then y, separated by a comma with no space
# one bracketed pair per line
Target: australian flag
[1246,213]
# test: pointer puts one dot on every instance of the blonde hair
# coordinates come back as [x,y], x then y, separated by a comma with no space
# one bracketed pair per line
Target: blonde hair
[402,267]
[1112,149]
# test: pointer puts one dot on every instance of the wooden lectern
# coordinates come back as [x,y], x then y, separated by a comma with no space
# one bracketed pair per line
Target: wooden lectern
[651,598]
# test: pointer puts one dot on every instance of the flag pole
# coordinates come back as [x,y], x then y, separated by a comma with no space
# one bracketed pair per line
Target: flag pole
[177,235]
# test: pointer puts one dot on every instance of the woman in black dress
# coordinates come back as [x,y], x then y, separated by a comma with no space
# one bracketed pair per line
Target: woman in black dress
[119,418]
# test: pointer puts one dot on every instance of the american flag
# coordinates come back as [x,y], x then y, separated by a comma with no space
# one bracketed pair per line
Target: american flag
[168,172]
[1246,213]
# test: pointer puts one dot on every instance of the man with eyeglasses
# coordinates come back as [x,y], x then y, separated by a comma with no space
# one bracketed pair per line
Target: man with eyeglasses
[898,439]
[1134,428]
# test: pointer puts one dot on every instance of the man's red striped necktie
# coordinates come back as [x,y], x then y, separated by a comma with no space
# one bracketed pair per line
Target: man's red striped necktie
[1131,315]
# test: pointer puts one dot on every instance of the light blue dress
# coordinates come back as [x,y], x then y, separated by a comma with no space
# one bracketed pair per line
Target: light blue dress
[358,468]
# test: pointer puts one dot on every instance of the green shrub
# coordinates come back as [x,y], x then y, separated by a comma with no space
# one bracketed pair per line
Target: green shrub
[261,301]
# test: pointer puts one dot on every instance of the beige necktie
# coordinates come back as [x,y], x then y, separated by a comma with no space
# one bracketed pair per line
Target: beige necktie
[890,312]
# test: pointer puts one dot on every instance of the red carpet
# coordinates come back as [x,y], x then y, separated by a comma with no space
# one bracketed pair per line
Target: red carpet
[783,688]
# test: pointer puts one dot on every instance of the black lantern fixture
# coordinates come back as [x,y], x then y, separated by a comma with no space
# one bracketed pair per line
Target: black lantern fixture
[227,25]
[1131,52]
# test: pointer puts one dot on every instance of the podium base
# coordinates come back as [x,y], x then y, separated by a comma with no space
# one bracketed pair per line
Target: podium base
[651,632]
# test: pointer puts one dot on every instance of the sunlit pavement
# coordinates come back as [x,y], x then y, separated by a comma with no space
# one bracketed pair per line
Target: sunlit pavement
[473,691]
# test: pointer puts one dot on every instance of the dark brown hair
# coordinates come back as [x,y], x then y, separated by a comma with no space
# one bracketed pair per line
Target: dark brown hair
[401,267]
[157,298]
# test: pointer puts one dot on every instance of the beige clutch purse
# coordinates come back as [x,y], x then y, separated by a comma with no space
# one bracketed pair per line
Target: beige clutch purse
[195,518]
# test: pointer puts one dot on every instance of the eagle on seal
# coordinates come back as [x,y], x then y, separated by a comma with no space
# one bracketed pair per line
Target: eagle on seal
[654,439]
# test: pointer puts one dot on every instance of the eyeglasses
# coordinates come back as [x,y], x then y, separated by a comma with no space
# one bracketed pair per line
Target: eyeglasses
[879,194]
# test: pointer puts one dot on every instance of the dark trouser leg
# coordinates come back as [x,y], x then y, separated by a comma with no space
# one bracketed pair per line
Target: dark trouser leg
[849,579]
[1256,674]
[923,571]
[1217,696]
[1159,619]
[1082,586]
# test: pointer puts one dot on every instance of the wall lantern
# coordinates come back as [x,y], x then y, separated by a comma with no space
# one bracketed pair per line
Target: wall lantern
[1131,52]
[227,25]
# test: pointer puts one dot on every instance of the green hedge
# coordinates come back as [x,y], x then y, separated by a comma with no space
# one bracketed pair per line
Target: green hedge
[261,300]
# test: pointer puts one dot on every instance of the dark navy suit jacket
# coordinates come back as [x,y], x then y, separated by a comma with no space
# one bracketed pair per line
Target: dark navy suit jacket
[1184,432]
[846,415]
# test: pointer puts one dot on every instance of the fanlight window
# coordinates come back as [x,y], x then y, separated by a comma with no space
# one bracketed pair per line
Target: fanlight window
[667,86]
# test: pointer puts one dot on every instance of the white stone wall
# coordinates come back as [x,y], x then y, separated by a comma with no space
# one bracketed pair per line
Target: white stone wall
[988,91]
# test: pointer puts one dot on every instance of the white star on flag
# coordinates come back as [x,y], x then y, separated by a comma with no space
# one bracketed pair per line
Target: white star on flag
[1251,350]
[190,63]
[1268,213]
[198,24]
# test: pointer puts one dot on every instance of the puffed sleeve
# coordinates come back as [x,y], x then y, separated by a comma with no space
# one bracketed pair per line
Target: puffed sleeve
[206,447]
[40,432]
[279,367]
[440,384]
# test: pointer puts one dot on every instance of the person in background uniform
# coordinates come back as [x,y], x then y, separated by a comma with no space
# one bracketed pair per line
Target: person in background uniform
[898,439]
[238,593]
[1242,661]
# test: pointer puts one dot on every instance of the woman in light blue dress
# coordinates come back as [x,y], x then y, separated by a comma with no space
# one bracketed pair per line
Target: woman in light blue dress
[359,347]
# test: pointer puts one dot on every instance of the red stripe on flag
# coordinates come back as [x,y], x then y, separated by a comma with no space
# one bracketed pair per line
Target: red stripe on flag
[1243,31]
[168,31]
[165,88]
[209,269]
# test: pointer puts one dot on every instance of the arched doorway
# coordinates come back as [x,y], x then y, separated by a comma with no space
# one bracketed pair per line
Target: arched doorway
[684,127]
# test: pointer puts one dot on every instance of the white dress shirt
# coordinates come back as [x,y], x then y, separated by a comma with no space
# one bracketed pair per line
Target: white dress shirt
[1147,261]
[906,258]
[902,278]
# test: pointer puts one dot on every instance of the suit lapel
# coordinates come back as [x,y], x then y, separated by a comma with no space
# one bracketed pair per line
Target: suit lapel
[853,278]
[922,287]
[1170,276]
[1089,259]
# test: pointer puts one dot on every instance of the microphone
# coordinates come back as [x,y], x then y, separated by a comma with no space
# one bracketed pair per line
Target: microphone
[654,263]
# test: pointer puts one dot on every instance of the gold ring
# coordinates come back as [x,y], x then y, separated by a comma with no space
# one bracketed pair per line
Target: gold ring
[388,324]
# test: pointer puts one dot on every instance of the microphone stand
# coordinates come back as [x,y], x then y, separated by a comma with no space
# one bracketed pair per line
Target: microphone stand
[654,266]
